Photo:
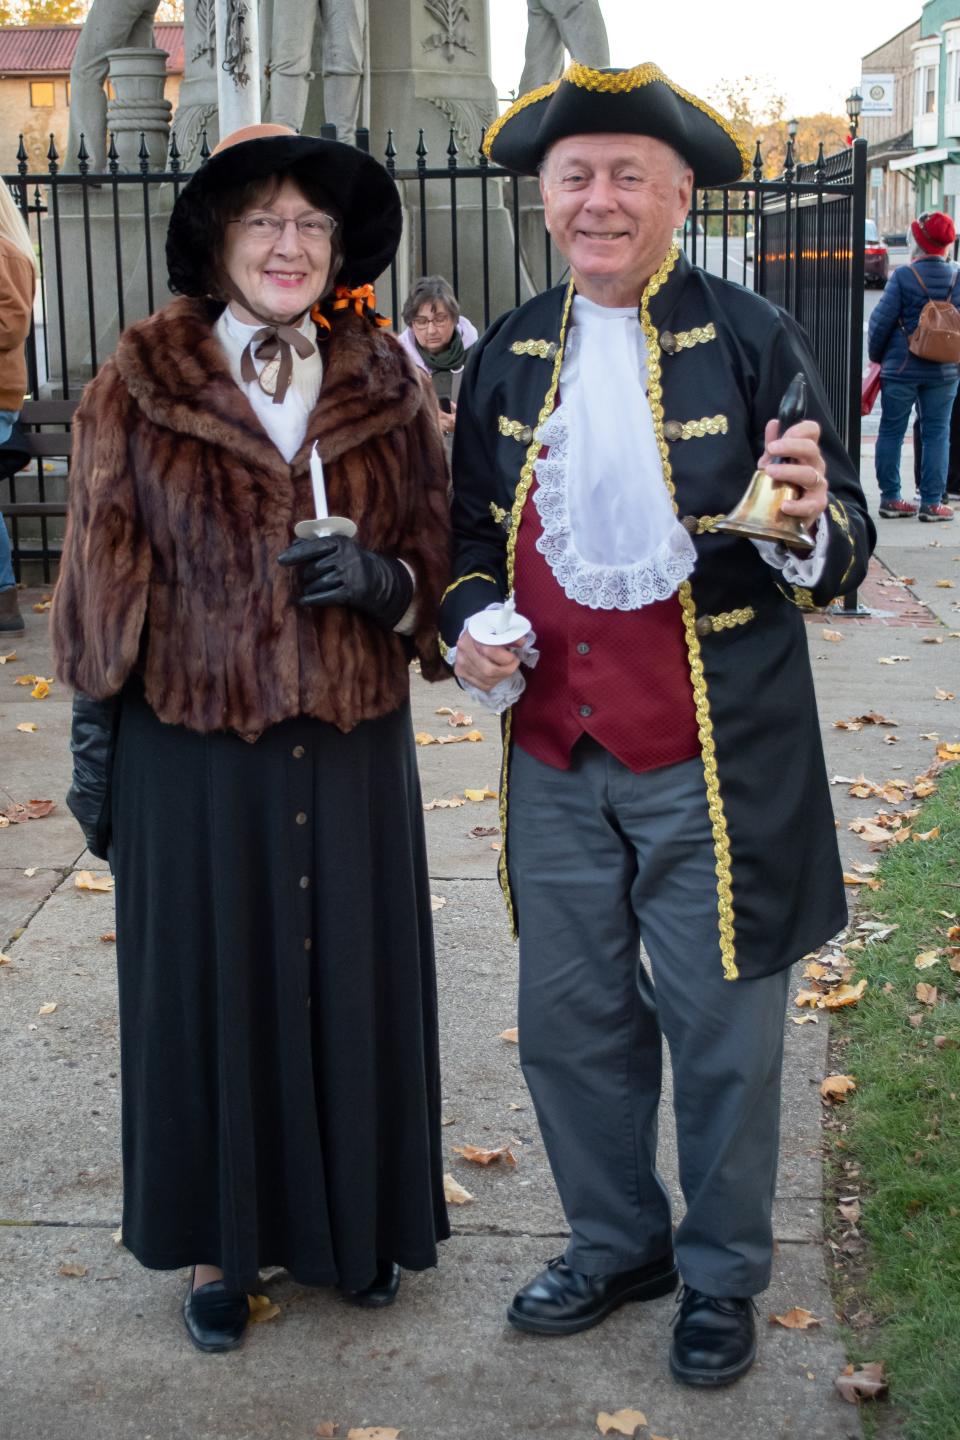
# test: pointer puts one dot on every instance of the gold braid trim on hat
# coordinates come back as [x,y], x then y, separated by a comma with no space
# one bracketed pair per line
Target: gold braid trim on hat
[531,98]
[708,750]
[619,84]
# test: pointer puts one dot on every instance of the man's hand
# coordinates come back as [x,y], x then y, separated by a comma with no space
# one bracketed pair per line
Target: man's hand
[485,665]
[801,444]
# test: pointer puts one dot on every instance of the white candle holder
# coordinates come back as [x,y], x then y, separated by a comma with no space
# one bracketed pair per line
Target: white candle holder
[502,626]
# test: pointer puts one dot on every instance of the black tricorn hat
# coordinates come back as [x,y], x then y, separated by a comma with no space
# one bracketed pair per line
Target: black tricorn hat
[371,216]
[640,101]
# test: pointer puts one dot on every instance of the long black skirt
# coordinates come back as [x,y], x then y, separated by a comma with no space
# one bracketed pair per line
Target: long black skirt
[278,1015]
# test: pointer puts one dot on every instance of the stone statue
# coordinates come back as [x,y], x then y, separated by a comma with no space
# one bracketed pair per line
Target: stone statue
[557,25]
[110,25]
[288,50]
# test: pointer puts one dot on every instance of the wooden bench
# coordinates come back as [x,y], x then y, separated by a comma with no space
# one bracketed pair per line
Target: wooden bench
[42,445]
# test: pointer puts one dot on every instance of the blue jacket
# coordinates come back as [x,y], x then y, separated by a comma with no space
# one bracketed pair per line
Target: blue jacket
[896,315]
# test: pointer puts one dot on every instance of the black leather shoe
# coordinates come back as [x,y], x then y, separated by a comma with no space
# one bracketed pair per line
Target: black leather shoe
[215,1317]
[381,1291]
[714,1340]
[561,1301]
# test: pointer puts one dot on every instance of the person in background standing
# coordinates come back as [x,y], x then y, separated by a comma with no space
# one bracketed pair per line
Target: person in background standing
[18,281]
[437,339]
[907,379]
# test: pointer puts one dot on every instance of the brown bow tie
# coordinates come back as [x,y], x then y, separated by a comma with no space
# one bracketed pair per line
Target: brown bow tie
[269,343]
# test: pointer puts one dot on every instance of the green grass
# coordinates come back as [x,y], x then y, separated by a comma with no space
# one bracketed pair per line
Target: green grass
[901,1128]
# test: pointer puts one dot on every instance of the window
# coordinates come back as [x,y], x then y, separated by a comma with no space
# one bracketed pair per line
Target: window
[928,90]
[41,94]
[67,87]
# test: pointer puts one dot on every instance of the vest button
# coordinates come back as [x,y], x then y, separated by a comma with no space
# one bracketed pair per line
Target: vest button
[586,711]
[673,429]
[304,881]
[689,523]
[298,752]
[583,648]
[668,342]
[703,625]
[301,817]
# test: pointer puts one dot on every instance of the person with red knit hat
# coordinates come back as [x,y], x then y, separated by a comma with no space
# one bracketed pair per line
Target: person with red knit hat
[907,380]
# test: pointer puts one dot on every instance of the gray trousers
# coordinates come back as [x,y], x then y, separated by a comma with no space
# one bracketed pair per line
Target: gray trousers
[600,859]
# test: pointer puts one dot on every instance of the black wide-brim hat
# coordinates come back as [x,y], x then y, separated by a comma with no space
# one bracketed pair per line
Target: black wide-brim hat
[371,216]
[640,101]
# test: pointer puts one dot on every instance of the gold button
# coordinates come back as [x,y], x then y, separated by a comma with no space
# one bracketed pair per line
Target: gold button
[304,881]
[526,434]
[308,943]
[673,429]
[298,752]
[689,523]
[704,625]
[301,817]
[668,341]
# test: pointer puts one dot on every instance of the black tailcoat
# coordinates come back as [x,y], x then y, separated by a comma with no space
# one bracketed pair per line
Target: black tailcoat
[719,359]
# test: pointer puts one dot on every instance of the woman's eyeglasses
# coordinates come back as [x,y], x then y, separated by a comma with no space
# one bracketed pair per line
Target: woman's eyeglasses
[421,323]
[271,227]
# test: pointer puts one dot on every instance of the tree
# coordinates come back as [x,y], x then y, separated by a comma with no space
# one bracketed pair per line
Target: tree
[43,12]
[758,113]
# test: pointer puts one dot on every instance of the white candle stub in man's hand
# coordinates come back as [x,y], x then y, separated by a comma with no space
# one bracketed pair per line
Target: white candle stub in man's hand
[502,626]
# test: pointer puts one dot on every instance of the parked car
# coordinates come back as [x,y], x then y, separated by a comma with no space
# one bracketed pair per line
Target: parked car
[748,243]
[876,257]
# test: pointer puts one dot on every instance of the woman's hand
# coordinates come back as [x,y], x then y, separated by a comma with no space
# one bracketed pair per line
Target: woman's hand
[448,419]
[335,571]
[485,665]
[809,474]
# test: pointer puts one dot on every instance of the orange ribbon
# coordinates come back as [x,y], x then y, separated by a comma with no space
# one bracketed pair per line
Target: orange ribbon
[362,298]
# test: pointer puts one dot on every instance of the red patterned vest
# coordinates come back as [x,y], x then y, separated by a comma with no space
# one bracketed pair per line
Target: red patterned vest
[620,676]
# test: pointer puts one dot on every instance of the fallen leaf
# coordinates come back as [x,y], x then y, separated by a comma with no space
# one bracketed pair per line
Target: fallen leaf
[844,995]
[814,971]
[926,994]
[33,810]
[109,937]
[47,1008]
[833,635]
[483,832]
[477,795]
[621,1422]
[511,1035]
[808,997]
[849,879]
[926,958]
[28,727]
[949,751]
[850,1210]
[41,606]
[11,655]
[870,831]
[4,959]
[943,584]
[458,719]
[837,1087]
[72,1272]
[454,1193]
[954,933]
[422,738]
[944,695]
[262,1308]
[437,902]
[891,739]
[117,1236]
[325,1430]
[453,804]
[932,640]
[26,679]
[796,1319]
[892,659]
[805,1019]
[87,880]
[933,834]
[41,690]
[915,1020]
[922,788]
[373,1432]
[477,1156]
[867,1383]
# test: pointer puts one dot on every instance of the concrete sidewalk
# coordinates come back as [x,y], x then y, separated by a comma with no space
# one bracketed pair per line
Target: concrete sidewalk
[102,1354]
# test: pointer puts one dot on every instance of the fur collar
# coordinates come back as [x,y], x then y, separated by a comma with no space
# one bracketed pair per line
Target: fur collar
[175,369]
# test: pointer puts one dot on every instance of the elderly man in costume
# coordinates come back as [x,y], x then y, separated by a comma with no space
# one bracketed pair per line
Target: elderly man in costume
[663,775]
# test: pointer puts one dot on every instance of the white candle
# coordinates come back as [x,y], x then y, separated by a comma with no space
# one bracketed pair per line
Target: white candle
[505,618]
[319,489]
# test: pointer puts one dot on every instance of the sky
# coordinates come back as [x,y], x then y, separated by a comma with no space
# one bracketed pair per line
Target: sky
[811,53]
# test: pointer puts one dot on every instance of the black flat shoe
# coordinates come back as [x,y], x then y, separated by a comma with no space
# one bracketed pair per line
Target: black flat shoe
[714,1340]
[561,1301]
[215,1317]
[381,1291]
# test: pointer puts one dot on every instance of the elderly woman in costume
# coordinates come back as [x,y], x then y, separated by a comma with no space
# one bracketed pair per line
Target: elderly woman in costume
[242,738]
[437,339]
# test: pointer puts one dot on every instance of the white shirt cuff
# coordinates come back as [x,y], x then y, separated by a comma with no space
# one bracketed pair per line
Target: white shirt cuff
[797,570]
[408,620]
[506,692]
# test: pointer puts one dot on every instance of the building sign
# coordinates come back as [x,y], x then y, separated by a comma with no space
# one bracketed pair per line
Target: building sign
[877,92]
[876,177]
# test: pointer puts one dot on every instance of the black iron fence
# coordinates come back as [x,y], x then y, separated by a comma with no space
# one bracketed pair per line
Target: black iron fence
[797,239]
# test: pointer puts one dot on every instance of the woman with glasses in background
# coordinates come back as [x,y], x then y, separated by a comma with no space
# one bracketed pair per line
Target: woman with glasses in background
[243,749]
[437,339]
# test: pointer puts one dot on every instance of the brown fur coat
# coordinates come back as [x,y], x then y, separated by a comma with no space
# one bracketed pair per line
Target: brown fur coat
[180,504]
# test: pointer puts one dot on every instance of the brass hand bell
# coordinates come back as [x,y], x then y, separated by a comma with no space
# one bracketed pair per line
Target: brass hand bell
[758,515]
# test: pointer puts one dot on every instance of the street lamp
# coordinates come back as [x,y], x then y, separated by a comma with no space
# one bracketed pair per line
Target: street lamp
[792,128]
[854,106]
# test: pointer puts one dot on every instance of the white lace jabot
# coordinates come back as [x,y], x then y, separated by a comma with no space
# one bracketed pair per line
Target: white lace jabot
[610,534]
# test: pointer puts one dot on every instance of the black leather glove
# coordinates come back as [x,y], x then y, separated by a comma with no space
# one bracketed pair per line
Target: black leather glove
[335,571]
[92,737]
